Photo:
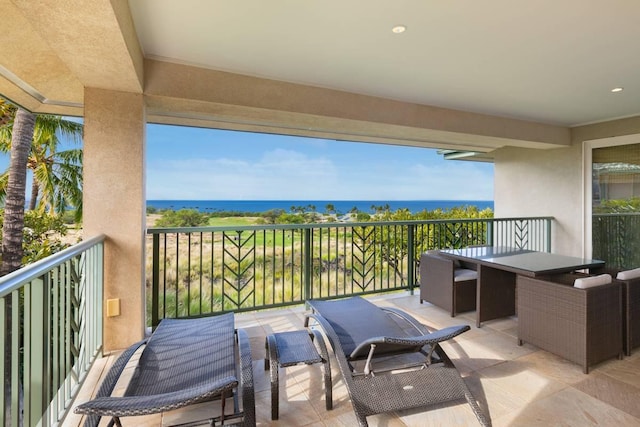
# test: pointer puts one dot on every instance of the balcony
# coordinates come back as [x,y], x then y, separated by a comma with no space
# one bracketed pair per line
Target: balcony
[520,386]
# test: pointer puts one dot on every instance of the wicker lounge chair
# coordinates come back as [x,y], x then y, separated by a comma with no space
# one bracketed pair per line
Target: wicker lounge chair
[580,325]
[184,362]
[388,360]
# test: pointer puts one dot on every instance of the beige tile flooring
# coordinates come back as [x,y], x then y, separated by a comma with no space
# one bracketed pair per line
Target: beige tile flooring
[517,386]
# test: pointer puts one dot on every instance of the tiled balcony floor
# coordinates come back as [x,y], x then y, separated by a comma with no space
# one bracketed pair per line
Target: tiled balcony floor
[517,386]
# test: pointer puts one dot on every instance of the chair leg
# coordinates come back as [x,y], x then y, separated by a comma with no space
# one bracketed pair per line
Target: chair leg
[275,381]
[476,409]
[326,367]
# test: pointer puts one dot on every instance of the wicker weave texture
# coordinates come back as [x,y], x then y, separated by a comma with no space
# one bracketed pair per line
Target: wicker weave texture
[580,325]
[438,287]
[439,383]
[183,362]
[630,311]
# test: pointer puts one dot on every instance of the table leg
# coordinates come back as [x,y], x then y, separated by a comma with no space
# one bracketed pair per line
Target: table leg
[495,296]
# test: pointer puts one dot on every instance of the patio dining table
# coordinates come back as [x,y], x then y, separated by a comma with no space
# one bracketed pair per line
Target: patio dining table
[497,270]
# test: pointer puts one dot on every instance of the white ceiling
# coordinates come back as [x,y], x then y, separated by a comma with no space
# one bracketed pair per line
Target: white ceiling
[551,61]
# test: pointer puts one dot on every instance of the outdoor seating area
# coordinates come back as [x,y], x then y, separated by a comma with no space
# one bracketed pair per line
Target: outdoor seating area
[514,385]
[570,306]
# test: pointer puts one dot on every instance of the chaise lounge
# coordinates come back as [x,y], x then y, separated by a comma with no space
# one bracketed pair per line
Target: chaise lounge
[388,360]
[185,361]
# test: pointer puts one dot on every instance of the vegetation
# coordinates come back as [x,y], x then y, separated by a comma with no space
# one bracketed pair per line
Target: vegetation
[614,223]
[214,271]
[631,205]
[42,235]
[309,215]
[22,124]
[33,143]
[182,218]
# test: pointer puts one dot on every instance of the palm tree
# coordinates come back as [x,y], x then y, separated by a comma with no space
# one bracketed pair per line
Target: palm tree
[57,175]
[7,112]
[14,193]
[12,231]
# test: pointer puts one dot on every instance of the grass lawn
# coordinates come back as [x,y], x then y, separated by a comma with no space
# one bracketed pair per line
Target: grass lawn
[233,220]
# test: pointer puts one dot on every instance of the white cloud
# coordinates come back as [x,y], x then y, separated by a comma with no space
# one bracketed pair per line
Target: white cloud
[279,174]
[289,174]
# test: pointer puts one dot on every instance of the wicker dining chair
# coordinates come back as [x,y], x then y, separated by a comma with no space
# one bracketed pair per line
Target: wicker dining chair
[630,280]
[447,284]
[580,325]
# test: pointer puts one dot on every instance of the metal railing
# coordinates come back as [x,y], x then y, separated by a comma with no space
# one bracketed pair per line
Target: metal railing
[616,239]
[51,318]
[205,270]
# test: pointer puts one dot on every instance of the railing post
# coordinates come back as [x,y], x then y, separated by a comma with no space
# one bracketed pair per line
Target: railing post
[155,282]
[411,254]
[548,221]
[489,235]
[308,265]
[35,351]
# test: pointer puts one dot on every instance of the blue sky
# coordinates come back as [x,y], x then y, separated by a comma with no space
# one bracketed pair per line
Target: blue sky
[203,164]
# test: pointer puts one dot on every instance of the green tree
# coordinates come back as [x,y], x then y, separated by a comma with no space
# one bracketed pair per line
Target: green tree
[20,128]
[57,175]
[271,216]
[290,218]
[182,218]
[41,236]
[330,208]
[23,123]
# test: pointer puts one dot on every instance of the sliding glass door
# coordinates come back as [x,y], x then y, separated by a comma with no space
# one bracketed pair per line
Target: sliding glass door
[615,204]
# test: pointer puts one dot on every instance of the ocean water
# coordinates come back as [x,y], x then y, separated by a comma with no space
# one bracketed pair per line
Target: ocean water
[341,206]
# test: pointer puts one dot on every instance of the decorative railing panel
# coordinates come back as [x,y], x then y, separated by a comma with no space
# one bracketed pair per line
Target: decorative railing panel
[51,315]
[205,270]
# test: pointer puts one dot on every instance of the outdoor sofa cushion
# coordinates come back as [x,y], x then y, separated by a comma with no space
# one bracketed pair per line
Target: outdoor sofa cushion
[462,274]
[590,282]
[628,274]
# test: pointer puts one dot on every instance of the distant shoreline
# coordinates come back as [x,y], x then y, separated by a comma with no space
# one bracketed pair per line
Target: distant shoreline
[321,206]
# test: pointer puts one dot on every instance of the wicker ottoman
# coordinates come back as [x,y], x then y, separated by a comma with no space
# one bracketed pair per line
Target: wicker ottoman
[285,349]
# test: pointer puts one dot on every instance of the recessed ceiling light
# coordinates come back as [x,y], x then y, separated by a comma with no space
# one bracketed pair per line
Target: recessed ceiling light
[399,29]
[617,89]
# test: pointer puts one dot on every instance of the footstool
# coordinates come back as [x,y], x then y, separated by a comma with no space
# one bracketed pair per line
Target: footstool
[284,349]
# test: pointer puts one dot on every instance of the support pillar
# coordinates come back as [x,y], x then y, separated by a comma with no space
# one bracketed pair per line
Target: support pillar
[114,204]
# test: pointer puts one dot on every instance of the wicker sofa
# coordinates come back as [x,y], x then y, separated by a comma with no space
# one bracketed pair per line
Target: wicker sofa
[581,325]
[446,284]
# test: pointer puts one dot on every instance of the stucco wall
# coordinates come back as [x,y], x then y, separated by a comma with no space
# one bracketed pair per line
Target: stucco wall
[543,183]
[114,204]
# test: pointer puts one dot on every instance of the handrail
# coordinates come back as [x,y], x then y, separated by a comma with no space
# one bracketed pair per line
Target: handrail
[12,281]
[51,315]
[160,230]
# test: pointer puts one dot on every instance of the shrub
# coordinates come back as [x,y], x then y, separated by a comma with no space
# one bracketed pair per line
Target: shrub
[182,218]
[42,235]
